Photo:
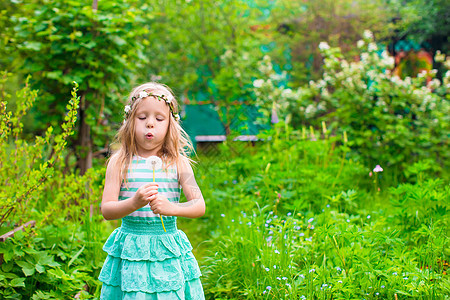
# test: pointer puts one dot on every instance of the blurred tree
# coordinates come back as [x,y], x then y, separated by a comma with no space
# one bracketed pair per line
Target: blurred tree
[302,25]
[423,21]
[205,49]
[64,41]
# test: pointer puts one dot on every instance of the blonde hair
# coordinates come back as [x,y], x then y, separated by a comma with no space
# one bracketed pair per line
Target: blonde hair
[177,144]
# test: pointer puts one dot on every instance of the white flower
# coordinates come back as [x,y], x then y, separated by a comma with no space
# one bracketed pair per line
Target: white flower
[324,46]
[364,56]
[127,109]
[169,100]
[368,34]
[154,77]
[433,84]
[143,94]
[372,47]
[439,57]
[258,83]
[378,168]
[177,117]
[360,43]
[447,62]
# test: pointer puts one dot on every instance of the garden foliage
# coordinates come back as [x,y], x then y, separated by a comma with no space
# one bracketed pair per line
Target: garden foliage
[62,255]
[299,220]
[388,120]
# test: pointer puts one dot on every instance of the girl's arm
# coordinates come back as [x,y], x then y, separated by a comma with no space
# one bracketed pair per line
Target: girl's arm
[111,207]
[195,205]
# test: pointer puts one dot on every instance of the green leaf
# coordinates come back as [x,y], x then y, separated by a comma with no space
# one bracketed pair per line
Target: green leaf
[18,282]
[75,256]
[35,46]
[27,268]
[40,268]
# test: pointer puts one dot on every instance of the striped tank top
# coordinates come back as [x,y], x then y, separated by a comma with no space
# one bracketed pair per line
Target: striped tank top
[141,173]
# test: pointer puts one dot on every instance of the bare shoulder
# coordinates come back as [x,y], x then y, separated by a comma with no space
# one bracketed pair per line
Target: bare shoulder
[113,168]
[185,170]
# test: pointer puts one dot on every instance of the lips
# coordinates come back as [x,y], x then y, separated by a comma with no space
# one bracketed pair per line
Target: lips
[149,135]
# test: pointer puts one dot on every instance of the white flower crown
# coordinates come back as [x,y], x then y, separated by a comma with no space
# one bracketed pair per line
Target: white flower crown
[144,94]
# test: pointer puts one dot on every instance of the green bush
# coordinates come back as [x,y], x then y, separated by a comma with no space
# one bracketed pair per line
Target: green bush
[25,167]
[346,239]
[63,255]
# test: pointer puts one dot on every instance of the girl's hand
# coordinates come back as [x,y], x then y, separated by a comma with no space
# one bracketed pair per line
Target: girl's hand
[161,205]
[144,194]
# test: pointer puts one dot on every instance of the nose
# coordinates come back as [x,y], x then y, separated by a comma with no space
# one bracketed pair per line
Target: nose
[150,123]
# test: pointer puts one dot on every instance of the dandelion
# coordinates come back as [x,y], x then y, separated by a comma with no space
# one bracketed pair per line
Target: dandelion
[249,223]
[395,273]
[338,269]
[274,266]
[288,285]
[382,286]
[310,220]
[232,220]
[284,278]
[277,252]
[222,215]
[278,278]
[377,169]
[267,269]
[328,205]
[368,217]
[309,239]
[340,281]
[302,234]
[289,214]
[312,270]
[360,44]
[405,278]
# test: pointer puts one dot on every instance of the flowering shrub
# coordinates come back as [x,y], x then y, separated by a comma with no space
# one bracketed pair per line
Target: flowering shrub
[389,120]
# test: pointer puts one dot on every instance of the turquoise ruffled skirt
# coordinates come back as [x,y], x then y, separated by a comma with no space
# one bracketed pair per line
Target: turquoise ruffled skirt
[144,262]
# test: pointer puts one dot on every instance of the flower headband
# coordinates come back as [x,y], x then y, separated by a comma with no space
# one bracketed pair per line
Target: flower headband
[145,94]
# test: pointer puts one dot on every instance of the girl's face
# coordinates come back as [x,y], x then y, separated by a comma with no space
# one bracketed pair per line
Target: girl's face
[151,125]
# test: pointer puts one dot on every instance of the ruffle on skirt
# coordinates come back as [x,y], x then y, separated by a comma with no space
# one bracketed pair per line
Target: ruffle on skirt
[145,265]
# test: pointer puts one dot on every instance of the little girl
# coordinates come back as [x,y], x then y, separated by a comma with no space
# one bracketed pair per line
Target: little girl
[148,257]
